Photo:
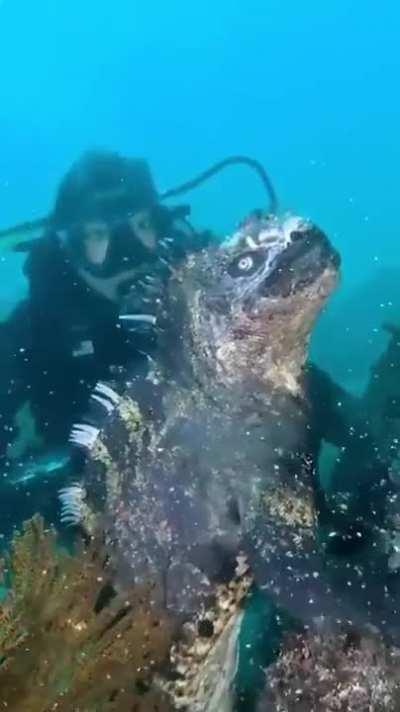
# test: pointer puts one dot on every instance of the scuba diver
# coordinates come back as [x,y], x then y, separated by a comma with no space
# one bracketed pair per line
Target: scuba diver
[107,251]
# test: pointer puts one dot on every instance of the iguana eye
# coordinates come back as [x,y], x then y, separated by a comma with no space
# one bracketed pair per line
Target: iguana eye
[245,264]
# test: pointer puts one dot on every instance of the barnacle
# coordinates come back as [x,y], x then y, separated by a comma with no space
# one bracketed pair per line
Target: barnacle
[69,640]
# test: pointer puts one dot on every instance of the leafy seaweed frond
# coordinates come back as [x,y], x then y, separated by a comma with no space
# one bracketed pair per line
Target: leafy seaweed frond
[69,639]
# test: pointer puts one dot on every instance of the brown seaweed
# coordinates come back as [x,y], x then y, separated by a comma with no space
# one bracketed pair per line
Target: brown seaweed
[69,640]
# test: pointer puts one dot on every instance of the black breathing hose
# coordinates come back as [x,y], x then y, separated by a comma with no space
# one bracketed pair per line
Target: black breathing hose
[40,223]
[217,168]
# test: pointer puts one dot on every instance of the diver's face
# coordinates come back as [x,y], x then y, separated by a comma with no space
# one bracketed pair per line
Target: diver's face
[143,228]
[96,240]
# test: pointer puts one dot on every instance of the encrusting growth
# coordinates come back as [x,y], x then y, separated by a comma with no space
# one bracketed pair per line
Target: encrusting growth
[345,672]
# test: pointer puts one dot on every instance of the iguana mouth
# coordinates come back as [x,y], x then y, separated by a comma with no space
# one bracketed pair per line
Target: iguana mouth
[301,264]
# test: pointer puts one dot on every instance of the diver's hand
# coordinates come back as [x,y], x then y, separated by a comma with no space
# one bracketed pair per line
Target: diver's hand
[107,287]
[144,296]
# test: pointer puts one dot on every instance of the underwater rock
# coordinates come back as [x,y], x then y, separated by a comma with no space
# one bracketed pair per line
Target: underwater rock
[343,672]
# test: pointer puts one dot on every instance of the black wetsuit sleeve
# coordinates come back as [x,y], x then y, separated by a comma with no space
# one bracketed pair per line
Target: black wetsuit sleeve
[43,270]
[52,299]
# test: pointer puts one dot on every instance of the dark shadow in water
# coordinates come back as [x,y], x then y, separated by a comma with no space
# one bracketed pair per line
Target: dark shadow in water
[349,337]
[20,502]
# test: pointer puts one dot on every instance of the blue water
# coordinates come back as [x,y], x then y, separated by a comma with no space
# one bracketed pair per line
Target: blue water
[310,89]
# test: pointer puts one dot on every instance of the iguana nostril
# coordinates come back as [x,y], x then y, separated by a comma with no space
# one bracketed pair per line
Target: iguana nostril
[205,628]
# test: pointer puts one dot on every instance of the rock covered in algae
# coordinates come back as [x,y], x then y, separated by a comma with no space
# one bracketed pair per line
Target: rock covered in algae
[344,672]
[69,640]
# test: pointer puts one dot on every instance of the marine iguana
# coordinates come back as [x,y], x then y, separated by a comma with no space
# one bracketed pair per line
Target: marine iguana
[204,464]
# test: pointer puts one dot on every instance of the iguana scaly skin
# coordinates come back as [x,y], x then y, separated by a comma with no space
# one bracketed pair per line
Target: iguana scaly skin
[200,471]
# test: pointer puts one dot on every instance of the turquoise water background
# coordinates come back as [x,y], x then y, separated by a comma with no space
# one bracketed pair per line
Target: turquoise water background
[309,88]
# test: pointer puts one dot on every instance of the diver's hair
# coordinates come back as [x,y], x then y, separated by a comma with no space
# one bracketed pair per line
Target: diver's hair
[100,183]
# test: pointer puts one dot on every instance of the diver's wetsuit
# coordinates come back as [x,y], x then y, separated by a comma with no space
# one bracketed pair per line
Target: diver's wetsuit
[74,333]
[75,337]
[65,337]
